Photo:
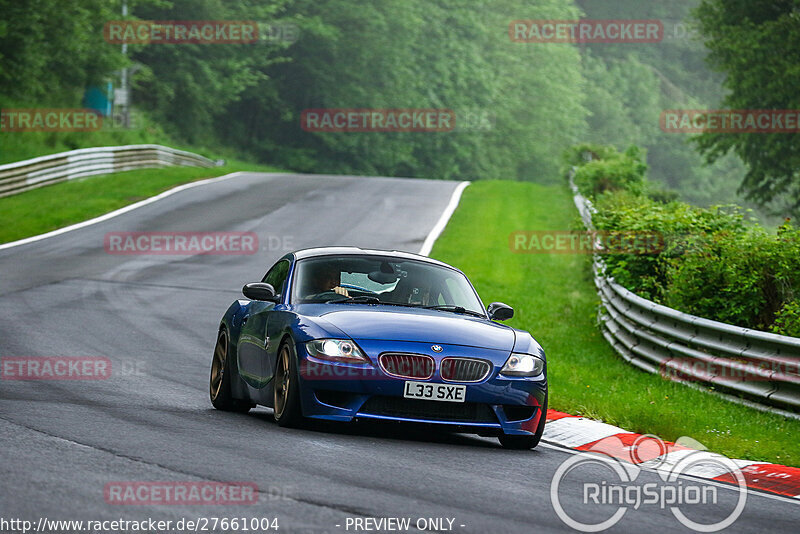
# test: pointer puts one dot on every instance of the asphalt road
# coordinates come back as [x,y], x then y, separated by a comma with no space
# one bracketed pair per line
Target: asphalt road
[155,318]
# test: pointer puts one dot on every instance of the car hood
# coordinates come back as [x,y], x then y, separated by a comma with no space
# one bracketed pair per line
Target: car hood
[404,324]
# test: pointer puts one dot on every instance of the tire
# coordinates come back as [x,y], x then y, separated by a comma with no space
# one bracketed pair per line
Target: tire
[219,388]
[286,405]
[526,442]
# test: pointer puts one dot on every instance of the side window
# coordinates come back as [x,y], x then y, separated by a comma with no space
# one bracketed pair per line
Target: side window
[277,275]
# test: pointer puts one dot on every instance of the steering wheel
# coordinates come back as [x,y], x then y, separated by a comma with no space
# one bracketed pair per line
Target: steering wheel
[324,296]
[358,288]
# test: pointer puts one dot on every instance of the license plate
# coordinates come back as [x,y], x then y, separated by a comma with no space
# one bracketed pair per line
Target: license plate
[437,392]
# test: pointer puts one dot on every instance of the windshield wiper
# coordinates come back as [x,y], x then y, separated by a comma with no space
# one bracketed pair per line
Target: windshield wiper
[454,309]
[361,299]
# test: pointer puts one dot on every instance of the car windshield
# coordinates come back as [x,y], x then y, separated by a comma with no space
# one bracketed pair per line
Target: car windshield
[383,280]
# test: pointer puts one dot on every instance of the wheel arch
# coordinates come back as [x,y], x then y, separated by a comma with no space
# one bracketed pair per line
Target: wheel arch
[231,322]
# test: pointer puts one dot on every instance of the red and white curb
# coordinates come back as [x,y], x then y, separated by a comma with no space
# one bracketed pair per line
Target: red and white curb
[583,434]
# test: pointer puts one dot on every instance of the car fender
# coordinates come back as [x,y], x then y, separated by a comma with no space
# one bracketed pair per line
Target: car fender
[525,344]
[233,321]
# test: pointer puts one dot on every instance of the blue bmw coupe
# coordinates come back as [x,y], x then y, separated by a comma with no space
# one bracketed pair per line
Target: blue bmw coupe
[350,334]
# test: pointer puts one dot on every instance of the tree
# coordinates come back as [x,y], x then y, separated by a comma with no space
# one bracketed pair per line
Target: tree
[188,87]
[421,54]
[756,44]
[629,85]
[51,50]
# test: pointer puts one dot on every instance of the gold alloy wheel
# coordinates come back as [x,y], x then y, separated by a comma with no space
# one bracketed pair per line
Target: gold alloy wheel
[282,382]
[218,364]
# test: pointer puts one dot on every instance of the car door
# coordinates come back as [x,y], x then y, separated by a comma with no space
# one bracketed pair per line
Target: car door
[253,340]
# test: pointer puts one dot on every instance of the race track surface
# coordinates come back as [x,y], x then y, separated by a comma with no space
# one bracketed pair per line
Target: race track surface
[155,317]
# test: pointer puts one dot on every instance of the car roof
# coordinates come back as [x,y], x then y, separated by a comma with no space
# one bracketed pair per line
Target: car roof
[356,251]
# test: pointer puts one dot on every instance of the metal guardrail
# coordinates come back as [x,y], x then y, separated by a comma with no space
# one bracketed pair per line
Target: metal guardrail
[737,363]
[46,170]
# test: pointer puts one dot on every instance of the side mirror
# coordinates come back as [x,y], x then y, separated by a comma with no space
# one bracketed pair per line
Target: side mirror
[260,291]
[499,311]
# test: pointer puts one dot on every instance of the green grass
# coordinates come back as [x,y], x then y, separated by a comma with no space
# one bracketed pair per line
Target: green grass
[18,146]
[51,207]
[554,298]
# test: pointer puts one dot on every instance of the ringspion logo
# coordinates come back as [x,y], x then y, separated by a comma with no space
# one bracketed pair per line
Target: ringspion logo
[181,243]
[586,31]
[609,471]
[49,120]
[378,120]
[180,32]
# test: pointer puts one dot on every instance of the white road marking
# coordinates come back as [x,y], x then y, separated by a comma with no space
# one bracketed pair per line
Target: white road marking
[120,211]
[437,230]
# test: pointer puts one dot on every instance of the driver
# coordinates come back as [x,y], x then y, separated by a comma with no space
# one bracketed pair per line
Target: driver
[326,278]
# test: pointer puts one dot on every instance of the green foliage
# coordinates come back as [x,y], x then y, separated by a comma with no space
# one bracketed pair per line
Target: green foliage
[583,153]
[614,172]
[190,88]
[738,278]
[623,96]
[421,54]
[787,320]
[680,226]
[714,262]
[534,100]
[678,60]
[18,146]
[394,54]
[755,45]
[627,87]
[659,193]
[50,50]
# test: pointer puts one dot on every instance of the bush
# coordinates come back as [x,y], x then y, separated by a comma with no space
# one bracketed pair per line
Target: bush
[582,154]
[661,194]
[737,278]
[787,320]
[616,172]
[680,226]
[714,262]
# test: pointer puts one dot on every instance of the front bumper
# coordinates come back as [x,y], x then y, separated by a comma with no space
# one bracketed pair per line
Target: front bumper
[344,392]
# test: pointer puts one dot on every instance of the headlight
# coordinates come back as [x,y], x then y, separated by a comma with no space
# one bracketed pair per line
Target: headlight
[523,365]
[336,350]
